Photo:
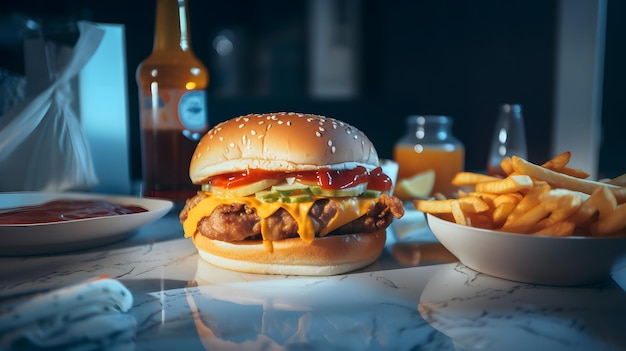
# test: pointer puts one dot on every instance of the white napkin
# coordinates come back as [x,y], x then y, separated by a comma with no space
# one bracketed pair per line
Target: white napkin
[85,316]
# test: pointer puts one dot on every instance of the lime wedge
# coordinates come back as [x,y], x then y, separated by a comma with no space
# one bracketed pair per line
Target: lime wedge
[418,186]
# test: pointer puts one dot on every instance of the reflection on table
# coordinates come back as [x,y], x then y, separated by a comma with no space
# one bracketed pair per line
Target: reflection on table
[416,296]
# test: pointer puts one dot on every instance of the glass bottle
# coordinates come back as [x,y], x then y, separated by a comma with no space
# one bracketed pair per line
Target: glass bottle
[429,145]
[173,105]
[509,138]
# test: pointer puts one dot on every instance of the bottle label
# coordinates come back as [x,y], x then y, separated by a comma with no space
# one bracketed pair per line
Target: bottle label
[176,109]
[192,110]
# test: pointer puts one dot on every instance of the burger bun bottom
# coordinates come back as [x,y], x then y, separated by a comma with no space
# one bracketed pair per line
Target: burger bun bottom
[329,255]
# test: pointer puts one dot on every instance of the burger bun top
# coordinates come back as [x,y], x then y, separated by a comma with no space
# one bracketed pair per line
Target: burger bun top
[284,141]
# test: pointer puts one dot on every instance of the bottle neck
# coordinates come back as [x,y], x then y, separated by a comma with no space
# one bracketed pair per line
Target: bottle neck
[172,26]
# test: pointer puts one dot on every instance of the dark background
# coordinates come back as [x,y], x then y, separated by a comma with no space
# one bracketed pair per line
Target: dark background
[453,57]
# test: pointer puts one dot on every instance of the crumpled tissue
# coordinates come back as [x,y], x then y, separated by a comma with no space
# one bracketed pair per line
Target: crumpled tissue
[84,316]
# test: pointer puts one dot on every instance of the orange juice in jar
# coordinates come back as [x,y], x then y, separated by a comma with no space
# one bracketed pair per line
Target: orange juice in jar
[429,145]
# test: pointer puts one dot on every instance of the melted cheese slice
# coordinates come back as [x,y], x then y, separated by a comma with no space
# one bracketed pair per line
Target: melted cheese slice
[349,209]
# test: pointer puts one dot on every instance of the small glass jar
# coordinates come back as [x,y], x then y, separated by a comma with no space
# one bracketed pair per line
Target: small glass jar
[429,145]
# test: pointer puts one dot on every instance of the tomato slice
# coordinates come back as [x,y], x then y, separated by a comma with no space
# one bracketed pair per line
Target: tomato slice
[325,178]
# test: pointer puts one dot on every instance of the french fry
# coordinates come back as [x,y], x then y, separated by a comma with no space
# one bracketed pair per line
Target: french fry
[559,164]
[567,206]
[510,184]
[561,206]
[506,165]
[479,220]
[471,178]
[530,200]
[551,199]
[614,222]
[526,223]
[457,212]
[619,181]
[488,197]
[559,161]
[563,228]
[573,172]
[468,204]
[501,212]
[513,198]
[601,201]
[560,180]
[605,203]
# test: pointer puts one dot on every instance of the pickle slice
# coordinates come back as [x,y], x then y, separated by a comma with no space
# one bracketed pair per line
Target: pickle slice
[245,190]
[267,196]
[296,198]
[353,191]
[271,190]
[290,189]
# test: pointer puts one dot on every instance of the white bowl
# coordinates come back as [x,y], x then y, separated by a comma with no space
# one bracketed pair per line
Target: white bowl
[532,259]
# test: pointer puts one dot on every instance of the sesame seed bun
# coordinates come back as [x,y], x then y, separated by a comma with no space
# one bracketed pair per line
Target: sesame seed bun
[281,142]
[324,256]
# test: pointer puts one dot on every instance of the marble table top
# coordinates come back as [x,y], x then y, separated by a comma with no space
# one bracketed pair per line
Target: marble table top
[415,297]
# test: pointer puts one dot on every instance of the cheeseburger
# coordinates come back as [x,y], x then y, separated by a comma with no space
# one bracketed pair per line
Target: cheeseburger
[288,193]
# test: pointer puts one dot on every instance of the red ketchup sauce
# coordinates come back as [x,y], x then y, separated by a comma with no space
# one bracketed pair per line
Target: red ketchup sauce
[65,210]
[325,178]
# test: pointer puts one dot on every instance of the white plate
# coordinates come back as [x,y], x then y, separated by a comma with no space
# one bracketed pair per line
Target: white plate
[54,237]
[532,259]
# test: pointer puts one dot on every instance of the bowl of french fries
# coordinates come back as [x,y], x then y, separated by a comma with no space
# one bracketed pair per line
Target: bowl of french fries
[541,224]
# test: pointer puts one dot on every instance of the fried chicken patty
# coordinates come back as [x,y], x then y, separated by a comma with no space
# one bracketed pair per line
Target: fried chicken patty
[236,222]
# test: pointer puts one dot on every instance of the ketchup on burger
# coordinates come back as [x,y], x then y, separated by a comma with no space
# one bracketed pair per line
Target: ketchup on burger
[288,193]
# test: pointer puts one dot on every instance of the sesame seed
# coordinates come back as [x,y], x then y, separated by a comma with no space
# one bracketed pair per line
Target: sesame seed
[318,134]
[253,132]
[348,131]
[355,137]
[246,119]
[261,121]
[289,123]
[280,122]
[231,144]
[242,125]
[268,127]
[330,143]
[221,138]
[322,129]
[333,149]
